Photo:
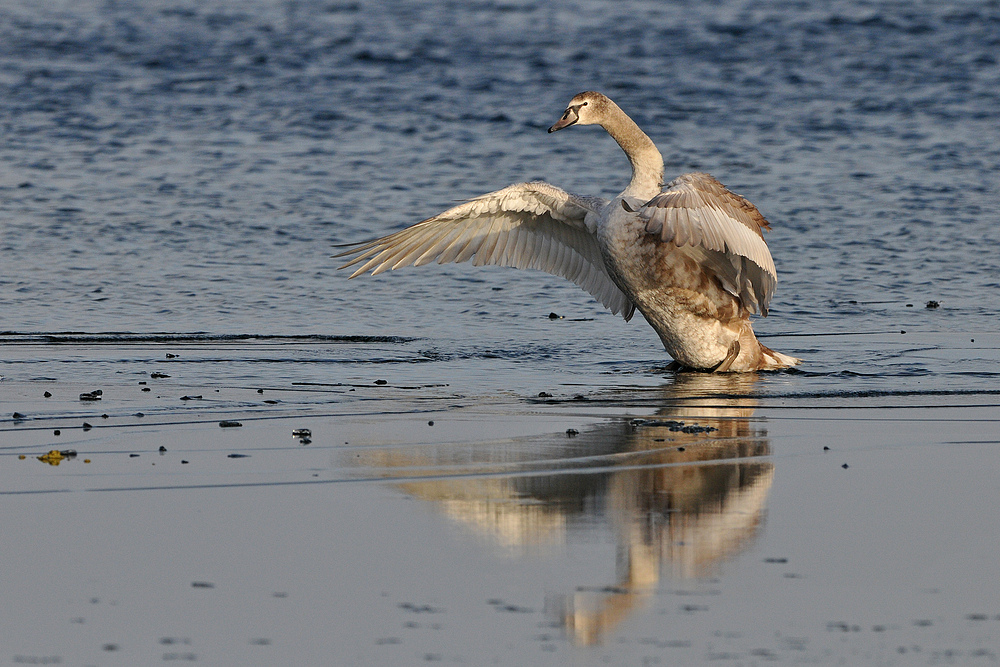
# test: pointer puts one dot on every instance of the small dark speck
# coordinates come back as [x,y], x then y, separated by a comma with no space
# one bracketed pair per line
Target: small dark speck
[260,641]
[139,414]
[237,456]
[170,641]
[972,340]
[902,331]
[579,397]
[57,432]
[845,466]
[840,626]
[544,394]
[933,304]
[515,609]
[680,449]
[430,423]
[260,391]
[183,462]
[110,647]
[909,305]
[825,448]
[47,394]
[419,608]
[229,424]
[571,432]
[497,289]
[381,382]
[146,389]
[171,356]
[555,316]
[86,426]
[202,584]
[853,302]
[132,456]
[162,449]
[17,415]
[775,560]
[923,623]
[271,402]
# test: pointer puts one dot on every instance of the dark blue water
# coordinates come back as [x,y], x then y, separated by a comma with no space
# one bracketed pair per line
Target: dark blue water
[174,166]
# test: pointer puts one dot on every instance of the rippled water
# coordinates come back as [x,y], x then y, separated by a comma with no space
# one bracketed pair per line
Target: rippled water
[174,173]
[182,167]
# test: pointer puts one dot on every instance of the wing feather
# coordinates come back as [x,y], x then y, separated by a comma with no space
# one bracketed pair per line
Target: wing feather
[527,225]
[473,245]
[697,210]
[456,247]
[412,250]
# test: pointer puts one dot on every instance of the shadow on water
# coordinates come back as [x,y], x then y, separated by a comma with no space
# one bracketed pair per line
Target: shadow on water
[680,493]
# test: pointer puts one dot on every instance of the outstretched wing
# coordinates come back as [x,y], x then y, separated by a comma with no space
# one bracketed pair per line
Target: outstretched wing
[697,210]
[526,226]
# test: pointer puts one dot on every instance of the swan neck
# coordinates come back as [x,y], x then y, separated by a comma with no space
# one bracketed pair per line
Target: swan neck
[647,163]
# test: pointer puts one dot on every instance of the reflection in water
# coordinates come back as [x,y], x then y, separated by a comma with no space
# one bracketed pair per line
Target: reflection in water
[684,489]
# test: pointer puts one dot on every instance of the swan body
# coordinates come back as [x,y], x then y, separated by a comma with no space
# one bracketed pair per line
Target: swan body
[690,256]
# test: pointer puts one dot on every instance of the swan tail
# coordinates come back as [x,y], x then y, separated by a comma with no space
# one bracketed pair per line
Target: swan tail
[774,360]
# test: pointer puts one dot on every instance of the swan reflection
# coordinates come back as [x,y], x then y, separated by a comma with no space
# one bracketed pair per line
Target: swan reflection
[680,491]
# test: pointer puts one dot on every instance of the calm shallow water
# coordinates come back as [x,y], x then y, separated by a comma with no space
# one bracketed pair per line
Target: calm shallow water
[173,175]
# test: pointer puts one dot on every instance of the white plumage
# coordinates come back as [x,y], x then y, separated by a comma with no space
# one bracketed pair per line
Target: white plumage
[691,257]
[525,226]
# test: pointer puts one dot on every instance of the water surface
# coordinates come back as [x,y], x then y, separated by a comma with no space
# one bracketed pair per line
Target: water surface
[173,177]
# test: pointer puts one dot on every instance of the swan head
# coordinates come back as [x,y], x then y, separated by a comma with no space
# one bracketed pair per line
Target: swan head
[587,108]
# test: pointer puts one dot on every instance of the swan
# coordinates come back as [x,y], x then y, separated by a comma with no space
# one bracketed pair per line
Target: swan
[690,256]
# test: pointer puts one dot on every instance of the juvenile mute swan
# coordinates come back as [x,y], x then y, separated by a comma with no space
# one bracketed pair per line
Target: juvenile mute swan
[691,258]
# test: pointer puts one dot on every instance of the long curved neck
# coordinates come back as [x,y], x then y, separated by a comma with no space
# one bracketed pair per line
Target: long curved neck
[647,163]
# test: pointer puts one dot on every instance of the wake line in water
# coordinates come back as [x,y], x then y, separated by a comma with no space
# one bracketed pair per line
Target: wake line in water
[132,338]
[558,471]
[709,400]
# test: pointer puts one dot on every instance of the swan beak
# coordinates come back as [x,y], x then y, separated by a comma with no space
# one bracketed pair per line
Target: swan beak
[568,118]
